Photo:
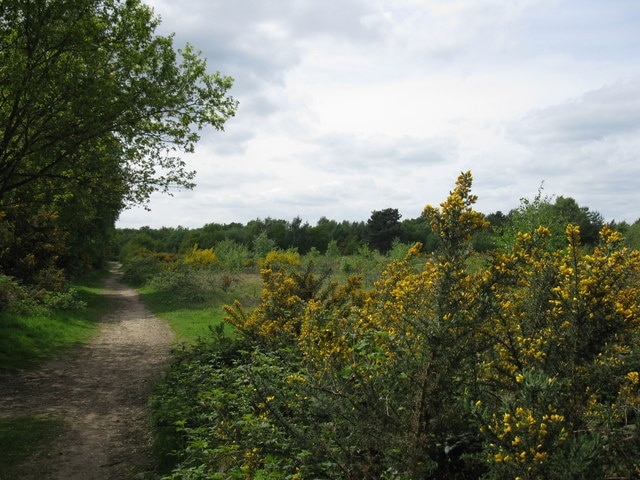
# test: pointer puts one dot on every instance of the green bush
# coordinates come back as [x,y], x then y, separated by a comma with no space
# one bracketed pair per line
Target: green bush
[177,412]
[520,363]
[139,269]
[232,256]
[67,300]
[186,285]
[10,292]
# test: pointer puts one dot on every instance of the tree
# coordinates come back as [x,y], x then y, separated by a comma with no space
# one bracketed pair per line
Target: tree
[589,222]
[632,235]
[555,215]
[322,233]
[383,227]
[91,95]
[418,230]
[87,77]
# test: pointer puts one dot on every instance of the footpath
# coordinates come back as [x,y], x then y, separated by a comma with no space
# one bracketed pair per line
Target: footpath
[102,391]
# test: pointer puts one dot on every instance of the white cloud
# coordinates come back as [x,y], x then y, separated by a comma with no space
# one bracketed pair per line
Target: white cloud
[351,106]
[595,115]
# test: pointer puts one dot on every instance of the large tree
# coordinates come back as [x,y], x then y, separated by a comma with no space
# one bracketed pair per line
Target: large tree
[383,227]
[96,107]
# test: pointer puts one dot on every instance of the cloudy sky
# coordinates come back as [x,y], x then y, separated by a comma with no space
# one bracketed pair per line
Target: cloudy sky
[350,106]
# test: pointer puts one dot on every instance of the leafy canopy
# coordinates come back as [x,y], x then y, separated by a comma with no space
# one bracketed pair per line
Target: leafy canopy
[84,81]
[95,110]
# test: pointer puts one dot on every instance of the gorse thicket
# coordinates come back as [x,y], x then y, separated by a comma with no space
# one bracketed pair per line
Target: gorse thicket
[517,364]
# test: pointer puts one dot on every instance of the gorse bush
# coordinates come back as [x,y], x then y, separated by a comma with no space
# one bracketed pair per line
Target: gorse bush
[523,363]
[201,257]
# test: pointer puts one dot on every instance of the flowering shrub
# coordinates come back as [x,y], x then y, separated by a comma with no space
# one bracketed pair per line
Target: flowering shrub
[520,363]
[200,257]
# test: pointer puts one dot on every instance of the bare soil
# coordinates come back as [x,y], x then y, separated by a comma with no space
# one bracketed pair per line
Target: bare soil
[102,390]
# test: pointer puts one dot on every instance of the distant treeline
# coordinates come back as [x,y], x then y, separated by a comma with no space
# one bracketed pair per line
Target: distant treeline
[379,232]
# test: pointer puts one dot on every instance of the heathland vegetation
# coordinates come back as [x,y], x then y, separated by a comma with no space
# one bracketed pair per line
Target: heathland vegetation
[452,345]
[488,350]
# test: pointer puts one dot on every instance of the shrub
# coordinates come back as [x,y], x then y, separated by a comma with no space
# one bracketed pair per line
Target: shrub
[51,279]
[13,296]
[232,256]
[67,300]
[139,269]
[185,285]
[525,366]
[200,257]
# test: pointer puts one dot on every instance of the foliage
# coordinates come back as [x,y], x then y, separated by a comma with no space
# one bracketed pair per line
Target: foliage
[12,295]
[92,75]
[365,262]
[68,300]
[32,331]
[524,365]
[564,345]
[31,242]
[199,257]
[139,244]
[543,211]
[260,236]
[182,279]
[383,227]
[232,256]
[262,245]
[140,268]
[51,292]
[95,111]
[184,285]
[632,235]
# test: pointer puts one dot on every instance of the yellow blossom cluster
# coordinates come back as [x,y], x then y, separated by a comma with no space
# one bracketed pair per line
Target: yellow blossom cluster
[521,436]
[277,318]
[545,340]
[201,257]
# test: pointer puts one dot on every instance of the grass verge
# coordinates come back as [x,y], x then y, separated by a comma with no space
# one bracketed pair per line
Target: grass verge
[28,339]
[22,437]
[191,320]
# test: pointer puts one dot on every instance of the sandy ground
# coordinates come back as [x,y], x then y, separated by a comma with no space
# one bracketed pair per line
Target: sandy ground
[102,389]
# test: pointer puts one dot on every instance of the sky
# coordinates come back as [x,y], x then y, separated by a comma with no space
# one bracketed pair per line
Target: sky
[352,106]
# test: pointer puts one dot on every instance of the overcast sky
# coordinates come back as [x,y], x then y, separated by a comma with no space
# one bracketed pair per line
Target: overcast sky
[350,106]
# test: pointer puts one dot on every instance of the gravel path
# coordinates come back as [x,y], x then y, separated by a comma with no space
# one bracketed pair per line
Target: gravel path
[102,389]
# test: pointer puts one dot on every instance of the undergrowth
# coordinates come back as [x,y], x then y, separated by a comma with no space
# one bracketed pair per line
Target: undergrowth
[32,333]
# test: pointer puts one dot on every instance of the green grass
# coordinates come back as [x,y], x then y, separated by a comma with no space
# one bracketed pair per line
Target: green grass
[22,437]
[191,323]
[28,339]
[192,320]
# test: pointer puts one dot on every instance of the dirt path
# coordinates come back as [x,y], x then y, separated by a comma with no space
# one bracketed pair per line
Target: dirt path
[102,390]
